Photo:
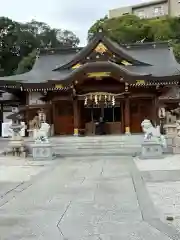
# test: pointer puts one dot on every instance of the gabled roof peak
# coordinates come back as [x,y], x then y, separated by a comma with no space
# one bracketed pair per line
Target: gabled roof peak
[107,44]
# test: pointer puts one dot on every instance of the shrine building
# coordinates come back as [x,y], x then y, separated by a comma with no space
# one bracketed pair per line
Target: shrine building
[124,84]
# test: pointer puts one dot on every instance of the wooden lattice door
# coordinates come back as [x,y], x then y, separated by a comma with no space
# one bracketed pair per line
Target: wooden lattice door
[139,110]
[64,118]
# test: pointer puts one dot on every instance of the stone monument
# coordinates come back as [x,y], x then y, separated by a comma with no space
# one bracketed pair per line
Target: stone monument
[154,143]
[41,148]
[173,131]
[170,130]
[176,139]
[16,145]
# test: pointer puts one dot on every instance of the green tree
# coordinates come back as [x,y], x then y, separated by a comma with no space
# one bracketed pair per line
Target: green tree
[15,43]
[161,29]
[26,63]
[96,26]
[128,28]
[131,29]
[18,41]
[52,37]
[176,48]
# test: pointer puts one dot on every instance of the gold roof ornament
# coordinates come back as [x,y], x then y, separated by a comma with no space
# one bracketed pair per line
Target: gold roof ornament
[101,48]
[126,63]
[76,66]
[58,86]
[98,74]
[140,82]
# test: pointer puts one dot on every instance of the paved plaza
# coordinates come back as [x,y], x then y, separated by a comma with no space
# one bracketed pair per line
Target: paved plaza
[79,198]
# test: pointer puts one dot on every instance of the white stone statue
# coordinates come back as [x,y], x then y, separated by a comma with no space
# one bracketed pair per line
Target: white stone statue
[152,133]
[41,135]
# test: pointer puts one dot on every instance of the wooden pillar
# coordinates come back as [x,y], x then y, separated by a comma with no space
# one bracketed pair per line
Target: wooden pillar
[54,117]
[155,111]
[127,116]
[76,117]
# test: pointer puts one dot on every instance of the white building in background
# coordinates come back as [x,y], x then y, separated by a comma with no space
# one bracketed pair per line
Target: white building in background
[151,9]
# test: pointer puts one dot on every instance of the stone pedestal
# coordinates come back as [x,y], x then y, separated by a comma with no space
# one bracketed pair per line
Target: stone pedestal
[42,151]
[176,145]
[16,147]
[151,149]
[171,129]
[170,142]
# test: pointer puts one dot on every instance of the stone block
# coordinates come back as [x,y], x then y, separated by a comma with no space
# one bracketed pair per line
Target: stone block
[176,145]
[171,130]
[42,151]
[170,143]
[151,149]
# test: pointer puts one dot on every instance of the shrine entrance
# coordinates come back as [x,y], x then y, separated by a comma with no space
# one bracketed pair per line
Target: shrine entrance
[104,106]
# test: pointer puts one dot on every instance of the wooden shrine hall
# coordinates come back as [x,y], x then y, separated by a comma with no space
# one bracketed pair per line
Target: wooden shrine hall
[123,84]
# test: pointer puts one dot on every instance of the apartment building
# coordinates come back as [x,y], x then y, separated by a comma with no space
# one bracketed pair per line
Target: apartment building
[149,9]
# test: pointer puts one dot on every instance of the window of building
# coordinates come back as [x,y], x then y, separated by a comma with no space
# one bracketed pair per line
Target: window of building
[141,14]
[158,11]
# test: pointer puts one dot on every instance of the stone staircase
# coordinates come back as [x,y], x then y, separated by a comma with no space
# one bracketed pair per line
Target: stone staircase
[97,145]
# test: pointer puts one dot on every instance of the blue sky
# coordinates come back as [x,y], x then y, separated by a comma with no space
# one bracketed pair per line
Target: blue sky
[76,16]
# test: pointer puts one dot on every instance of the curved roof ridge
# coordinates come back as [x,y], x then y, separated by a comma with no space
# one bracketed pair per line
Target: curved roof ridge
[147,44]
[59,50]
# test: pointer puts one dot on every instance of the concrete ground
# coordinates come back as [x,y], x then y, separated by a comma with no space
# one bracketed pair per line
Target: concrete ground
[82,198]
[162,178]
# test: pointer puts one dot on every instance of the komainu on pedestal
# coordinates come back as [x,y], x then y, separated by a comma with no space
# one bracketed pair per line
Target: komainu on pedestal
[154,143]
[42,148]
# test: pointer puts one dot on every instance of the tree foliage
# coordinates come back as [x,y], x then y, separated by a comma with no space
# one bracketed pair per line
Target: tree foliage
[18,42]
[132,29]
[26,63]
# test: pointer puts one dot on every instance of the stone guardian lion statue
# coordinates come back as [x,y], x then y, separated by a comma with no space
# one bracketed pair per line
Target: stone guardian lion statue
[152,133]
[41,135]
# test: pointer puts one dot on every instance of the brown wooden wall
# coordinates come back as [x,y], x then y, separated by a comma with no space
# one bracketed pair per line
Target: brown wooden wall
[139,110]
[63,118]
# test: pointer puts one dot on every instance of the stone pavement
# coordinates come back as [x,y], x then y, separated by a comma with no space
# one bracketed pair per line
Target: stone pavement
[92,198]
[17,174]
[162,179]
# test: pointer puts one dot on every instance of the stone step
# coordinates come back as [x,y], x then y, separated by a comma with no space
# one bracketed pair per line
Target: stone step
[98,139]
[98,152]
[96,146]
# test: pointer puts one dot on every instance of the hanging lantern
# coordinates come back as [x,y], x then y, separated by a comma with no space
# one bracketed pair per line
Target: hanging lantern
[96,99]
[105,97]
[162,112]
[85,101]
[113,100]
